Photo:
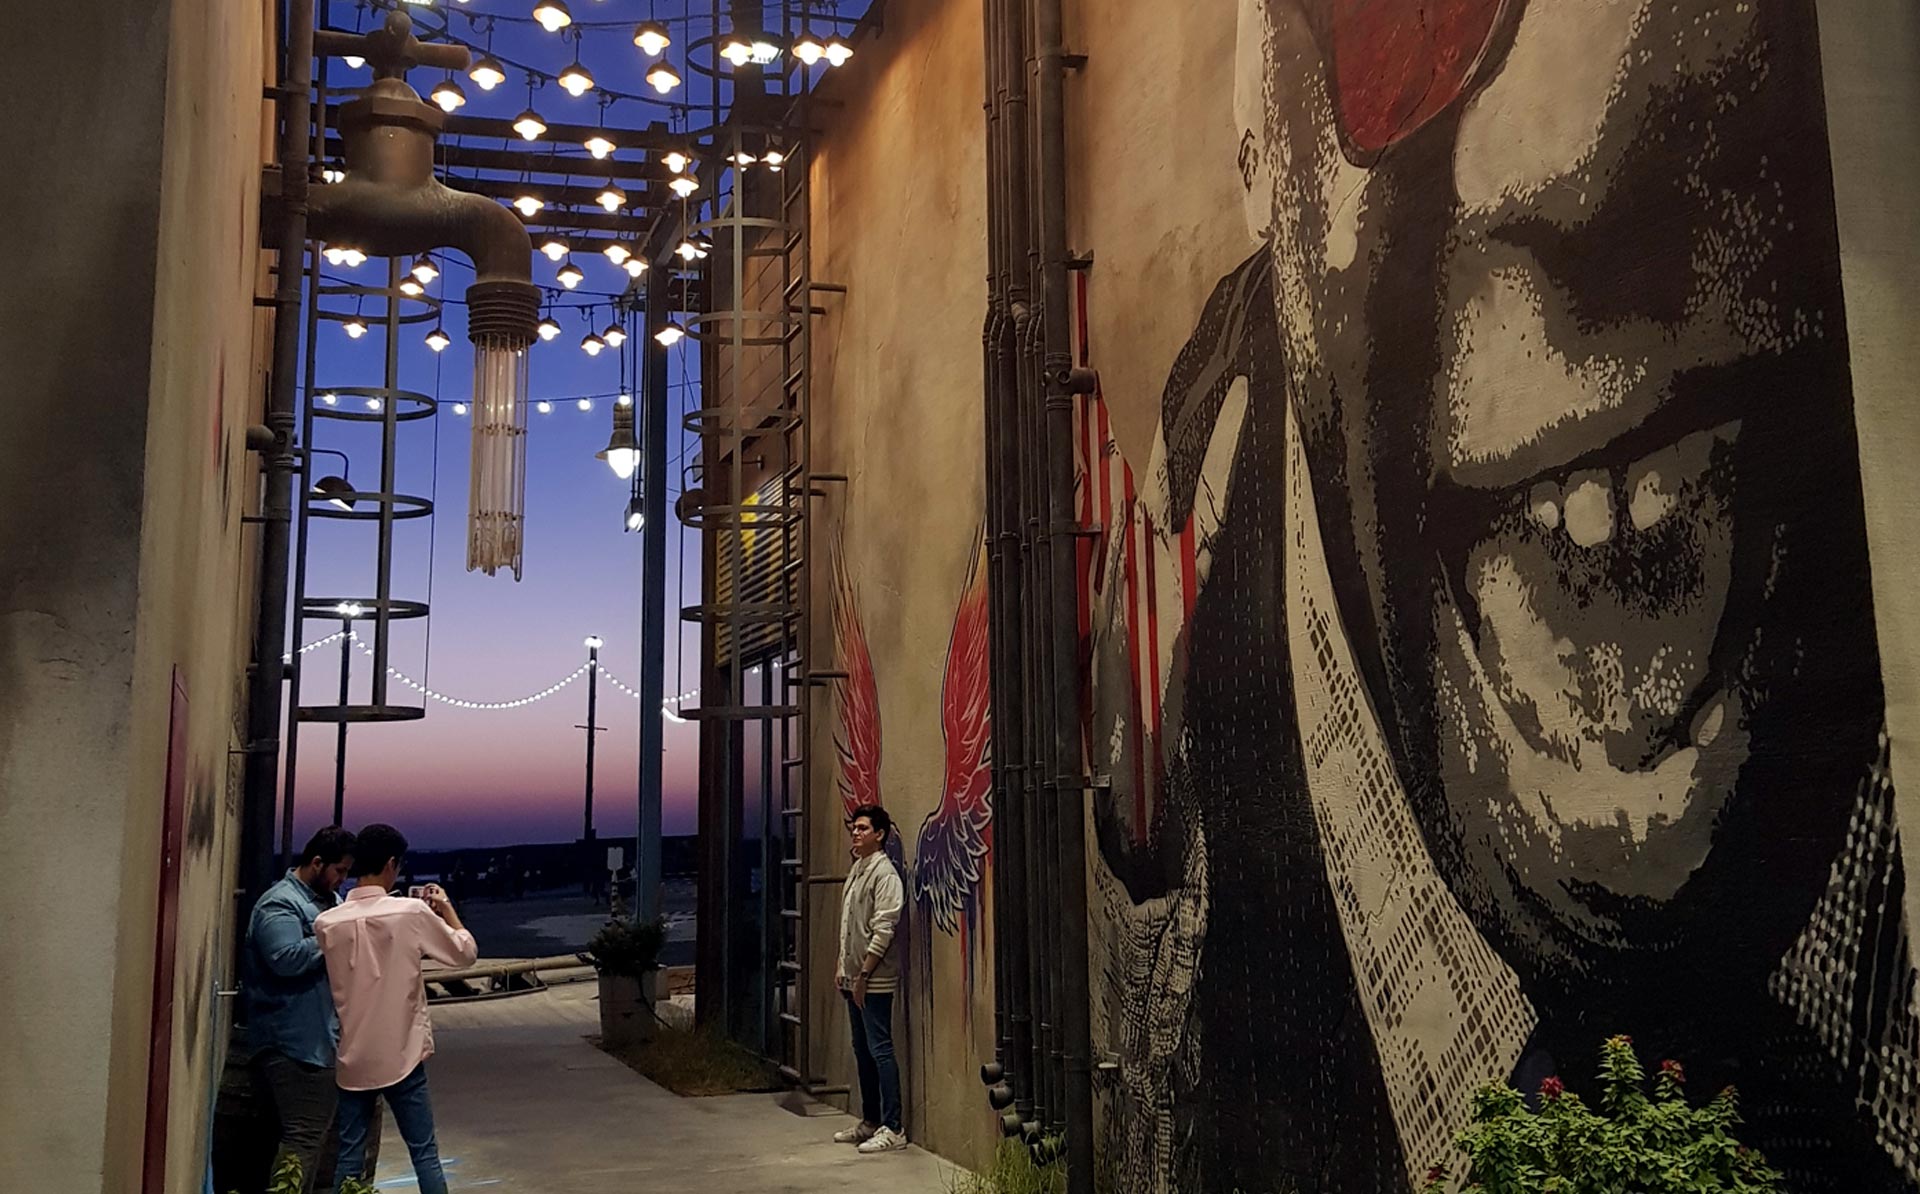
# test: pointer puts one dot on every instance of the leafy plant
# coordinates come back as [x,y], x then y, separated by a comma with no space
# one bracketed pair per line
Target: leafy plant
[629,948]
[1012,1172]
[1633,1144]
[355,1185]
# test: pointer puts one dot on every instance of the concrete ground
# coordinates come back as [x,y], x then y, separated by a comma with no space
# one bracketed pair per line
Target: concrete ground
[524,1103]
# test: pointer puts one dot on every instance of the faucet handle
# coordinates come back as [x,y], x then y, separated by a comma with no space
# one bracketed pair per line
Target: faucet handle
[392,50]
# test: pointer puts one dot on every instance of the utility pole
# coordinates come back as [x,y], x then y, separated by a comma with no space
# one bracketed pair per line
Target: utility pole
[653,597]
[592,727]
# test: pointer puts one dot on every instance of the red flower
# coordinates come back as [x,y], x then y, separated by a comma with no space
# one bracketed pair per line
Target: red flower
[1552,1088]
[1671,1069]
[1437,1173]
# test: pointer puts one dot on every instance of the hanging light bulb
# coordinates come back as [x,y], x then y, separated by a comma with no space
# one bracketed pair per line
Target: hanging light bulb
[552,15]
[612,197]
[635,267]
[808,48]
[736,48]
[353,61]
[488,73]
[663,77]
[374,405]
[554,248]
[775,157]
[622,452]
[332,173]
[599,146]
[355,328]
[330,399]
[614,335]
[544,407]
[592,344]
[569,275]
[548,328]
[437,339]
[529,204]
[411,287]
[529,125]
[651,37]
[334,254]
[670,334]
[617,252]
[459,408]
[585,404]
[424,269]
[743,158]
[687,250]
[684,185]
[838,51]
[676,161]
[576,80]
[624,400]
[763,49]
[338,491]
[449,95]
[636,513]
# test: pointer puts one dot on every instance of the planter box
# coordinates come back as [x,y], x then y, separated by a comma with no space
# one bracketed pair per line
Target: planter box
[626,1009]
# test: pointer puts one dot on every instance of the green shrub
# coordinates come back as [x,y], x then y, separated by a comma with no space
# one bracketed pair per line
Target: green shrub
[1013,1172]
[1658,1144]
[630,948]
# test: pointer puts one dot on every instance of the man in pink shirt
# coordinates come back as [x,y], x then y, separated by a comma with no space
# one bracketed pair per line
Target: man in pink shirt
[374,944]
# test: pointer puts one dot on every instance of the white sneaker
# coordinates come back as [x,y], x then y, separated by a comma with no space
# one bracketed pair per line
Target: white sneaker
[885,1140]
[859,1133]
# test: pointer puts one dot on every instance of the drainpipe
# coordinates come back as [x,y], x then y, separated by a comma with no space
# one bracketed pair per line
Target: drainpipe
[270,639]
[1062,382]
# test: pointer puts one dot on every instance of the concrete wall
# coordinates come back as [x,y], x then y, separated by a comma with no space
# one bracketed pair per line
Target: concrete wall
[899,218]
[129,365]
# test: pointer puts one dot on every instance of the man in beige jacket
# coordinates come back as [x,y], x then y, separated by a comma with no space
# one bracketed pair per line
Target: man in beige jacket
[869,976]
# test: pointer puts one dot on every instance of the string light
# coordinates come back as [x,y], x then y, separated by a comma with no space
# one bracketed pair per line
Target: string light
[599,147]
[459,408]
[585,405]
[555,248]
[614,335]
[548,328]
[612,197]
[529,125]
[544,407]
[663,77]
[437,339]
[330,399]
[488,72]
[624,400]
[424,269]
[375,405]
[592,344]
[449,95]
[569,275]
[576,80]
[652,38]
[552,15]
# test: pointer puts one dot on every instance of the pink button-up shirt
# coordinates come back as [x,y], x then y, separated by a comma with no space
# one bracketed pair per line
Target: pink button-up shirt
[374,944]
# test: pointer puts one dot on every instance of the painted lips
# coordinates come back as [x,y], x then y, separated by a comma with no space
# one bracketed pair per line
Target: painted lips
[1396,64]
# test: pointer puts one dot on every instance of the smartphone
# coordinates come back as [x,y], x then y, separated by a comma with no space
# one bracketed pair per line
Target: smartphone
[417,892]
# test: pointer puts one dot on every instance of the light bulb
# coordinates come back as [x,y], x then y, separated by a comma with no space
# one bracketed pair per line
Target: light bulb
[554,248]
[373,404]
[548,328]
[425,270]
[411,288]
[676,161]
[636,513]
[353,61]
[838,51]
[529,205]
[488,73]
[809,49]
[764,50]
[614,335]
[684,185]
[599,147]
[332,174]
[354,329]
[736,49]
[354,258]
[449,95]
[743,158]
[576,80]
[592,344]
[570,275]
[459,408]
[774,159]
[613,198]
[651,37]
[663,77]
[624,400]
[334,254]
[437,339]
[529,125]
[585,404]
[670,335]
[687,250]
[544,407]
[635,267]
[552,15]
[617,252]
[330,399]
[594,643]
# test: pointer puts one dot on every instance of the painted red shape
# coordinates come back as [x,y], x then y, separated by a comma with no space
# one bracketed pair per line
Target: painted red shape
[153,1167]
[1396,64]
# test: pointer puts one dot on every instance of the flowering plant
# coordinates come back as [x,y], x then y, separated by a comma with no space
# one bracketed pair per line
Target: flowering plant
[1632,1144]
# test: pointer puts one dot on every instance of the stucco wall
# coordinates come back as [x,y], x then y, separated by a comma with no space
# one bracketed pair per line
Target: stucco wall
[129,369]
[899,218]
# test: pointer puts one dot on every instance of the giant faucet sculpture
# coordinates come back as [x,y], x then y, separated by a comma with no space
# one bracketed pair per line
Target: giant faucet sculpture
[391,205]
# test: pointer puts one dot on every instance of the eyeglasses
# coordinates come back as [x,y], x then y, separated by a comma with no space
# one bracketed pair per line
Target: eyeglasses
[1394,65]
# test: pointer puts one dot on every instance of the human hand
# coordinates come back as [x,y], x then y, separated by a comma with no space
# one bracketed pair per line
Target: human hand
[860,991]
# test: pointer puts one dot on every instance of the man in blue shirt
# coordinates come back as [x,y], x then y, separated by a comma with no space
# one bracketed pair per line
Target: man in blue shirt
[291,1024]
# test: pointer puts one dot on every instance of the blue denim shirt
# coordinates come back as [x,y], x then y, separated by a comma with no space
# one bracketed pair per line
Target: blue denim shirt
[289,1005]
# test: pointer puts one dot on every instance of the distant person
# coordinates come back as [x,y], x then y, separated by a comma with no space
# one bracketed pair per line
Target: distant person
[291,1023]
[869,975]
[374,945]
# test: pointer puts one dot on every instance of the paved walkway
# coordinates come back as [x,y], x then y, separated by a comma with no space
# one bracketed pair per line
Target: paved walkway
[525,1103]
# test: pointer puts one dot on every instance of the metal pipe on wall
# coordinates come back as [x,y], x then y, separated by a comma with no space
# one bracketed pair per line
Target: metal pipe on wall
[653,600]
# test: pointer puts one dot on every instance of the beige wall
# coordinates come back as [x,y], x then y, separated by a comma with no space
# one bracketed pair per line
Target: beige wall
[130,365]
[899,218]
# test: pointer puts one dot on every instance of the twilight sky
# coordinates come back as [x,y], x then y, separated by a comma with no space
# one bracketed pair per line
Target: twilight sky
[467,777]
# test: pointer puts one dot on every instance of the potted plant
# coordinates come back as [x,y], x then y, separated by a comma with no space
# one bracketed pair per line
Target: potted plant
[627,956]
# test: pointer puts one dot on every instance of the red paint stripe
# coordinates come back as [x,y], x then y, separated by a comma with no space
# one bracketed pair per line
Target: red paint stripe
[1134,619]
[1189,568]
[1153,653]
[1106,473]
[1080,285]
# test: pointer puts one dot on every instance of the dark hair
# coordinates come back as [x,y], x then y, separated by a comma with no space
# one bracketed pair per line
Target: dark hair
[377,845]
[875,815]
[329,845]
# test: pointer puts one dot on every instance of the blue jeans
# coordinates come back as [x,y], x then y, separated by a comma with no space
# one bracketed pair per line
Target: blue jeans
[412,1114]
[873,1053]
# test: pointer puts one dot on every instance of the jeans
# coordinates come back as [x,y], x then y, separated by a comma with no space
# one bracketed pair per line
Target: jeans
[412,1114]
[873,1053]
[304,1098]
